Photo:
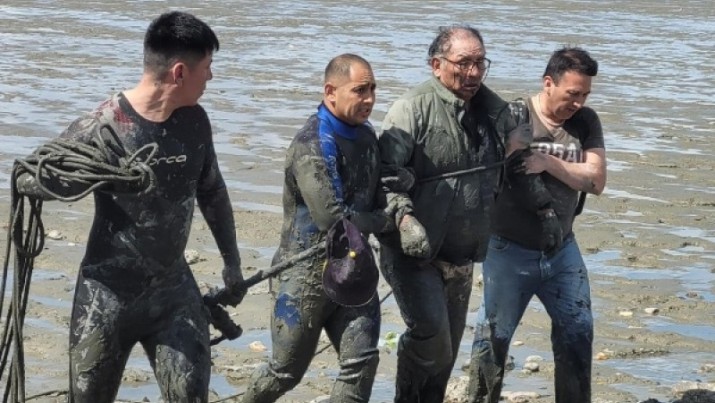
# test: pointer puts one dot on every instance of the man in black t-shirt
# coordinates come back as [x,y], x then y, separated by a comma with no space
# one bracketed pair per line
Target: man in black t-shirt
[568,154]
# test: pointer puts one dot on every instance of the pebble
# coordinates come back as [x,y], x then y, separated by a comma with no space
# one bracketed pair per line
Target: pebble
[531,366]
[192,256]
[520,397]
[707,368]
[626,313]
[457,390]
[652,311]
[257,346]
[601,356]
[534,358]
[517,343]
[133,375]
[55,234]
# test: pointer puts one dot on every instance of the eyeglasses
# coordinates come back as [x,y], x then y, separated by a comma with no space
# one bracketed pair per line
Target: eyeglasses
[467,65]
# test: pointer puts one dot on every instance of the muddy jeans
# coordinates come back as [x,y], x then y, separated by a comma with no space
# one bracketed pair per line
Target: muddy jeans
[433,299]
[512,275]
[300,313]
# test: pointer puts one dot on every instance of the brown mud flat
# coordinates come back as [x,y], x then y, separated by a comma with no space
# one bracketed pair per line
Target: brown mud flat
[648,241]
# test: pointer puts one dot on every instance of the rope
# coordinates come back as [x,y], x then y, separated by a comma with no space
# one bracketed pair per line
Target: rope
[26,248]
[88,165]
[68,161]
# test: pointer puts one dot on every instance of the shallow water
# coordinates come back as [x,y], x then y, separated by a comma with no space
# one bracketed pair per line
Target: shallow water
[61,59]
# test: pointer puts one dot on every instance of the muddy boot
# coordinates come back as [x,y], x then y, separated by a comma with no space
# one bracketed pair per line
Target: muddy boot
[413,238]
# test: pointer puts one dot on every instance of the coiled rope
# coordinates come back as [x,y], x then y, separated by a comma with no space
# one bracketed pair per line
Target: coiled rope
[102,164]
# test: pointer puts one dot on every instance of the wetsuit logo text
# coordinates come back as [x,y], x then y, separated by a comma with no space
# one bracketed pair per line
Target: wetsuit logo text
[172,159]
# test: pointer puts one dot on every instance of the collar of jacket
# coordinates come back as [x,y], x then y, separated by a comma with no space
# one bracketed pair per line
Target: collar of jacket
[446,95]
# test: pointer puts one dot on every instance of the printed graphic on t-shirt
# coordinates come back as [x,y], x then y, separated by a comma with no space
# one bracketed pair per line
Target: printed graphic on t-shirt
[570,152]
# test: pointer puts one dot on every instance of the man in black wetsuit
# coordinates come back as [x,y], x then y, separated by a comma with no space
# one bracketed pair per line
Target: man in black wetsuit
[332,171]
[134,284]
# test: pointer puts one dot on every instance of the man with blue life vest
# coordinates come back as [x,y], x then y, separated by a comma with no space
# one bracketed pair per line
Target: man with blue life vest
[332,179]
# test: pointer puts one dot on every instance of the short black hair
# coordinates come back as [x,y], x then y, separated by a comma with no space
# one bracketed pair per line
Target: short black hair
[177,36]
[340,65]
[570,59]
[442,43]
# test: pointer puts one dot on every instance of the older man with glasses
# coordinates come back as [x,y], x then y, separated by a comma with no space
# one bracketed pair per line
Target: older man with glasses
[441,136]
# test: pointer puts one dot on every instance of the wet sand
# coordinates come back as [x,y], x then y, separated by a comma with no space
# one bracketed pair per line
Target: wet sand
[639,250]
[649,240]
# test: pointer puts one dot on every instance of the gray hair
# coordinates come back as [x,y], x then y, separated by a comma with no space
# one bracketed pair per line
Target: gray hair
[442,43]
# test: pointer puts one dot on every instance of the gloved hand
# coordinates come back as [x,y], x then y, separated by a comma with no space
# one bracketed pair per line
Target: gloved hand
[515,161]
[233,279]
[373,222]
[397,179]
[551,234]
[413,238]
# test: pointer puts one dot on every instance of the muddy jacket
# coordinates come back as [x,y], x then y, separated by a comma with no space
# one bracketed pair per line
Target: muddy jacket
[327,176]
[433,132]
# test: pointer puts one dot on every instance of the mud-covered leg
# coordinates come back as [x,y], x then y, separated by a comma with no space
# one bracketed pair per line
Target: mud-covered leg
[180,354]
[567,298]
[458,288]
[425,348]
[511,277]
[296,323]
[355,332]
[96,355]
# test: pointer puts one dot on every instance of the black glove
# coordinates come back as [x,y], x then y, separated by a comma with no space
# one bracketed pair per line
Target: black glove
[233,279]
[515,161]
[373,222]
[397,179]
[551,234]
